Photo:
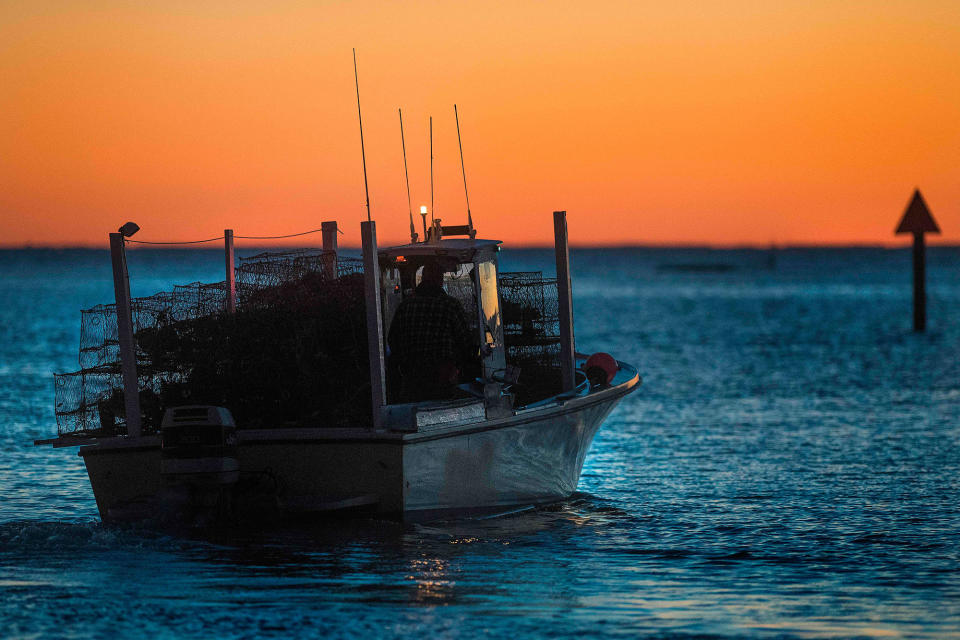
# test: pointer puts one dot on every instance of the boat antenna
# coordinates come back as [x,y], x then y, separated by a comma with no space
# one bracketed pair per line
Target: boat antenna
[413,230]
[463,169]
[363,153]
[431,170]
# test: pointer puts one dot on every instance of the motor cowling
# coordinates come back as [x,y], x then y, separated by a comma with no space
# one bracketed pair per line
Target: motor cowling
[198,445]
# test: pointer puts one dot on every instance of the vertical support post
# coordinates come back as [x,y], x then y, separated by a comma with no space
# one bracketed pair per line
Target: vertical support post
[919,283]
[329,231]
[128,355]
[231,281]
[564,300]
[371,279]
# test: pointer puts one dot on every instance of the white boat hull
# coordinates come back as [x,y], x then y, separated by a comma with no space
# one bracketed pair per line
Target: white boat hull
[531,457]
[526,462]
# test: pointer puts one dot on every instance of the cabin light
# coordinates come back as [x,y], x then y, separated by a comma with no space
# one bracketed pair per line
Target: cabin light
[423,209]
[401,259]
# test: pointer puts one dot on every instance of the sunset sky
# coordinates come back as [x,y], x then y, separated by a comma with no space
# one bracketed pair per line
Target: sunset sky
[649,122]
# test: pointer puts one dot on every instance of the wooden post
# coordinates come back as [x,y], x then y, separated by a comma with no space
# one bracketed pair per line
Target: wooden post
[329,231]
[919,283]
[371,279]
[128,352]
[231,282]
[564,300]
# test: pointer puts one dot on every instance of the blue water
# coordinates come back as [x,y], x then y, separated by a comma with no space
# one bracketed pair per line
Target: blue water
[789,469]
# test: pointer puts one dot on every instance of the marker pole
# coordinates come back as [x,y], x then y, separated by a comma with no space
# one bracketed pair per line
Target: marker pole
[919,283]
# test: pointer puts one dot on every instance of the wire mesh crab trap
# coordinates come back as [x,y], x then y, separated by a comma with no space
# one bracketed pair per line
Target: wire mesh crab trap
[531,324]
[293,353]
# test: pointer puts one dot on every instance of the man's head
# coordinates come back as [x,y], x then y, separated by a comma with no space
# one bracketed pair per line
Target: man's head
[432,274]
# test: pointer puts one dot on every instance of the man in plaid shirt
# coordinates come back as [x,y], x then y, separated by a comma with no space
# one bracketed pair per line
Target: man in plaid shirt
[429,340]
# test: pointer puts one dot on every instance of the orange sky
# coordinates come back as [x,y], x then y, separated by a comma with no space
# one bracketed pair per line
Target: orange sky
[649,122]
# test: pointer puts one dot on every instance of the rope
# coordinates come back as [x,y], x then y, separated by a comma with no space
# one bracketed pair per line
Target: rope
[183,242]
[289,235]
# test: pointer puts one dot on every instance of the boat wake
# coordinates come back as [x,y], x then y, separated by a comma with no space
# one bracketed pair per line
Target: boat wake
[26,537]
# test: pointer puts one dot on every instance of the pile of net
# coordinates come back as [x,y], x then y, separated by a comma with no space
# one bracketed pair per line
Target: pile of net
[293,354]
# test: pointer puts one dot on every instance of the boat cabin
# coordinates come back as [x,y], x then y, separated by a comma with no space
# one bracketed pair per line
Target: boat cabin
[470,276]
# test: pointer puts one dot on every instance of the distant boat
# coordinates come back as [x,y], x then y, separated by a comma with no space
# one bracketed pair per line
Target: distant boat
[243,451]
[698,267]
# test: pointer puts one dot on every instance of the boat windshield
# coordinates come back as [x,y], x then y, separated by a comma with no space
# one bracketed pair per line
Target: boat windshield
[491,327]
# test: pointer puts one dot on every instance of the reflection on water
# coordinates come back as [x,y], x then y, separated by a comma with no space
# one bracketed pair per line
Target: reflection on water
[788,470]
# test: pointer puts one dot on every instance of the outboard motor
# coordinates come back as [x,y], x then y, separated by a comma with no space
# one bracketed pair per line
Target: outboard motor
[198,447]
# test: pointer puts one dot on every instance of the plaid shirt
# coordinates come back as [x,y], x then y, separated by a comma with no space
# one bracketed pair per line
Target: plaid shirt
[429,327]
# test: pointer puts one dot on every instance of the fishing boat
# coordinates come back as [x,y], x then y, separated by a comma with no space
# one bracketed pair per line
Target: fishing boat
[494,448]
[271,394]
[503,443]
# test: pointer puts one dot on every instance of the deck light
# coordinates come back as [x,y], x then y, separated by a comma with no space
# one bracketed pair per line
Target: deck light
[423,218]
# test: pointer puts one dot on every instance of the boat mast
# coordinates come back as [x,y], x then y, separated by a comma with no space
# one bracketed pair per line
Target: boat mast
[464,170]
[363,153]
[431,171]
[371,281]
[413,230]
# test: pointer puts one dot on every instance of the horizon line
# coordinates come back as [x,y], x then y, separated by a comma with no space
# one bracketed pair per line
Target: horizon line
[537,246]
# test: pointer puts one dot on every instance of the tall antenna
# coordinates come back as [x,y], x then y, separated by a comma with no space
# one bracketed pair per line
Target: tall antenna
[431,169]
[363,153]
[467,195]
[413,230]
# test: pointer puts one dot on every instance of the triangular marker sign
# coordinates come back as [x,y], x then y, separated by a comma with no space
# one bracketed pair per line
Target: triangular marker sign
[917,218]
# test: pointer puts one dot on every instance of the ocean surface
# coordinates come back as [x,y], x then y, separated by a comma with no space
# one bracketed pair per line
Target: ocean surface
[790,468]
